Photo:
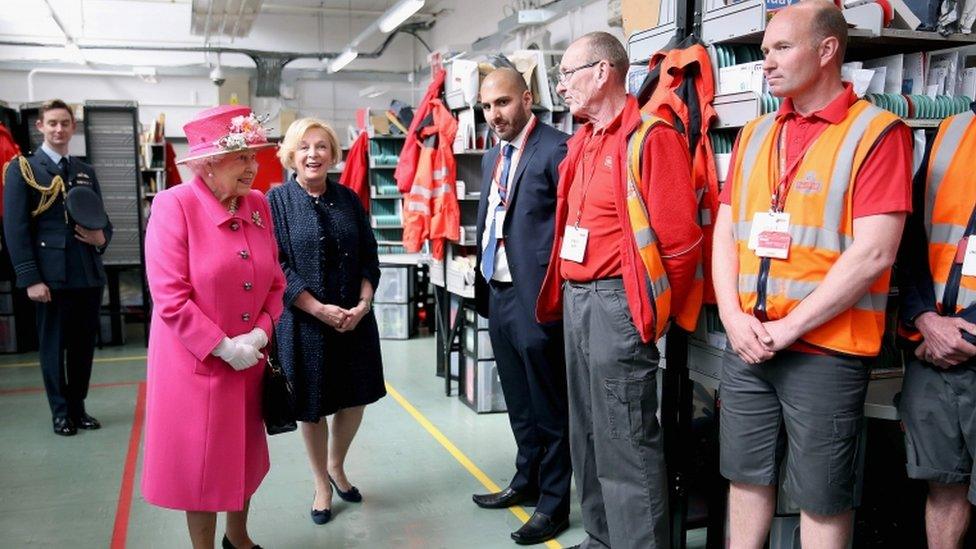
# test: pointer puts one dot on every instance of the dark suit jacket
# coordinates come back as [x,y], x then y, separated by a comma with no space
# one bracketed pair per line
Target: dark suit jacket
[528,229]
[44,248]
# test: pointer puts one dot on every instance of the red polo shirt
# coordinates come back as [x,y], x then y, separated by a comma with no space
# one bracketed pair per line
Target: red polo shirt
[597,211]
[884,183]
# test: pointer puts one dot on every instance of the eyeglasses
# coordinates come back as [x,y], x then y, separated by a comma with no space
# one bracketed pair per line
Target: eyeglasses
[565,75]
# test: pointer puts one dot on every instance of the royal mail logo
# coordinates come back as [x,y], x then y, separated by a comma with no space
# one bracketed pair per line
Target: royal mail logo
[808,184]
[608,162]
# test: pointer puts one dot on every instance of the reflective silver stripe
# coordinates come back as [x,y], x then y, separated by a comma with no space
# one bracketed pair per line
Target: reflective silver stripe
[704,217]
[659,286]
[803,235]
[798,290]
[439,174]
[645,237]
[418,207]
[763,127]
[699,194]
[421,191]
[441,190]
[965,298]
[939,164]
[945,233]
[840,179]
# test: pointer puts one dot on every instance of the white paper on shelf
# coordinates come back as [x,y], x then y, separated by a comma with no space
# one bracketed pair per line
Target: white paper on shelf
[893,65]
[858,77]
[952,62]
[969,83]
[913,74]
[877,84]
[744,77]
[936,81]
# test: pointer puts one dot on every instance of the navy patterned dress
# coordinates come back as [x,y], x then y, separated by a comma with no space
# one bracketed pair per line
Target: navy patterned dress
[326,247]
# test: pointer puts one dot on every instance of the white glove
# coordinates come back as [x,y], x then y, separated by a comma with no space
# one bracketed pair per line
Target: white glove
[256,338]
[239,355]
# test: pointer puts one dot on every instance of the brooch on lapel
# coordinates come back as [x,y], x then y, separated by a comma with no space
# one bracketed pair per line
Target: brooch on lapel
[256,219]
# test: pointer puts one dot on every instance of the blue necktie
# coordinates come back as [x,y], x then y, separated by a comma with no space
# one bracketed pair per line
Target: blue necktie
[488,256]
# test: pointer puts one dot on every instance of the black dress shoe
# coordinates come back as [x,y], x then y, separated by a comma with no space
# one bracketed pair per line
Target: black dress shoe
[64,426]
[85,421]
[320,516]
[506,498]
[226,544]
[352,495]
[539,528]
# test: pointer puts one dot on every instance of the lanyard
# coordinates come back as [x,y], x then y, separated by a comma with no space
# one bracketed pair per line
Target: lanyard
[496,178]
[586,183]
[778,200]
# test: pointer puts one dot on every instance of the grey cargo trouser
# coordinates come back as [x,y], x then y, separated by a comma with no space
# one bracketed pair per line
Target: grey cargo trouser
[615,437]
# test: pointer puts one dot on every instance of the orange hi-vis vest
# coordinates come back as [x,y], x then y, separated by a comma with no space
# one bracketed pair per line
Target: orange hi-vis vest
[430,209]
[821,224]
[950,200]
[656,279]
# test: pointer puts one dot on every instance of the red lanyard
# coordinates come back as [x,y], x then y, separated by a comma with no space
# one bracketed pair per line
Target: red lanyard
[496,178]
[778,200]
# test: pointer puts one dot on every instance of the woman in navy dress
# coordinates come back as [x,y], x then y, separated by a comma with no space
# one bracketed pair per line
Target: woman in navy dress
[327,340]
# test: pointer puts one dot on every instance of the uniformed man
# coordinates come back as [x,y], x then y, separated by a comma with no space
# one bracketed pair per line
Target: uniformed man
[59,262]
[938,314]
[807,231]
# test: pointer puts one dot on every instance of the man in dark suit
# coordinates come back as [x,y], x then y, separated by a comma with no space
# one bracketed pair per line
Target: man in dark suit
[58,262]
[515,229]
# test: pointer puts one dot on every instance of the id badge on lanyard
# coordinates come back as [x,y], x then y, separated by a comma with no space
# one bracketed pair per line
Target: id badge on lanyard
[770,234]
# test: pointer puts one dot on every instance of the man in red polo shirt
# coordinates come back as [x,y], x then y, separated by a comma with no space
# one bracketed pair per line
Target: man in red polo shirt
[808,228]
[608,312]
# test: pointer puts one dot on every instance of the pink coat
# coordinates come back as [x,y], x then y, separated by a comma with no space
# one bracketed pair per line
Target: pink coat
[210,275]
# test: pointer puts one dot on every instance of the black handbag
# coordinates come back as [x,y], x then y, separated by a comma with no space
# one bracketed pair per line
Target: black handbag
[277,397]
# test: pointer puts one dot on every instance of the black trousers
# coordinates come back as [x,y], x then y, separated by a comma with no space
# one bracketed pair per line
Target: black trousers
[532,371]
[66,329]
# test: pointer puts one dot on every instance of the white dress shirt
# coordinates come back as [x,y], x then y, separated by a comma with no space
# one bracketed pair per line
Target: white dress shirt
[502,274]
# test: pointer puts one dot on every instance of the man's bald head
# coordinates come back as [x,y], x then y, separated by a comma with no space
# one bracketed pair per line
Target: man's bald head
[821,18]
[507,78]
[506,101]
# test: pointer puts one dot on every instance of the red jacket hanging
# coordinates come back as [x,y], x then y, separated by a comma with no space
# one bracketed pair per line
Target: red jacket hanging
[8,150]
[356,173]
[430,208]
[407,164]
[683,96]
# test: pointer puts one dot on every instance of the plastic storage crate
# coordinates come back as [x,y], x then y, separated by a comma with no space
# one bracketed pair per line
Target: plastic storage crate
[394,320]
[395,284]
[482,386]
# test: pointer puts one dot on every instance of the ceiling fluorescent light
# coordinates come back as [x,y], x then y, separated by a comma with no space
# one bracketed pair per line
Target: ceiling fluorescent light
[373,91]
[342,60]
[396,15]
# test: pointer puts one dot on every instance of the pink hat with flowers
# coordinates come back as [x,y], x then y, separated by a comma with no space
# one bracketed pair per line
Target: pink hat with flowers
[224,129]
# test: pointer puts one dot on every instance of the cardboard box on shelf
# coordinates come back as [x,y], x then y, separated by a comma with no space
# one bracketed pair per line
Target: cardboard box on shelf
[639,15]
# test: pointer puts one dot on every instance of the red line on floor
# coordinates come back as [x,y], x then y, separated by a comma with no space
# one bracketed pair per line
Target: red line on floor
[121,528]
[23,390]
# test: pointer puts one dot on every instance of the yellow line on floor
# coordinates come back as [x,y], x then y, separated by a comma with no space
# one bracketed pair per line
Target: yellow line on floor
[459,456]
[96,361]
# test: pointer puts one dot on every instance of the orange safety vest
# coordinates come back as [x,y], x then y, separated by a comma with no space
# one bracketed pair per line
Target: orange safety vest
[430,209]
[950,199]
[674,100]
[821,224]
[655,278]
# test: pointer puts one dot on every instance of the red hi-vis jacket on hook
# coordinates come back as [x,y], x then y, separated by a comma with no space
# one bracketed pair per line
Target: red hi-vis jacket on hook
[430,209]
[683,96]
[407,164]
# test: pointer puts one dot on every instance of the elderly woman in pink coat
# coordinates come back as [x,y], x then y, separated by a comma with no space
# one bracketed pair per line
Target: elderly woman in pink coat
[217,287]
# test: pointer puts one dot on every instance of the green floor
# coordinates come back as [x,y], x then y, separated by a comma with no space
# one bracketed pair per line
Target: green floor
[65,492]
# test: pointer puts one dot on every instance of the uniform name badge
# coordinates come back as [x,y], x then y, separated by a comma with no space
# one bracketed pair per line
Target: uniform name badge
[499,223]
[969,260]
[574,244]
[770,235]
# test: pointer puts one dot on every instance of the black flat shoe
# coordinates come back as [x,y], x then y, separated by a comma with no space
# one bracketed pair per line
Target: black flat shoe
[352,495]
[226,544]
[539,528]
[85,421]
[64,426]
[506,498]
[319,516]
